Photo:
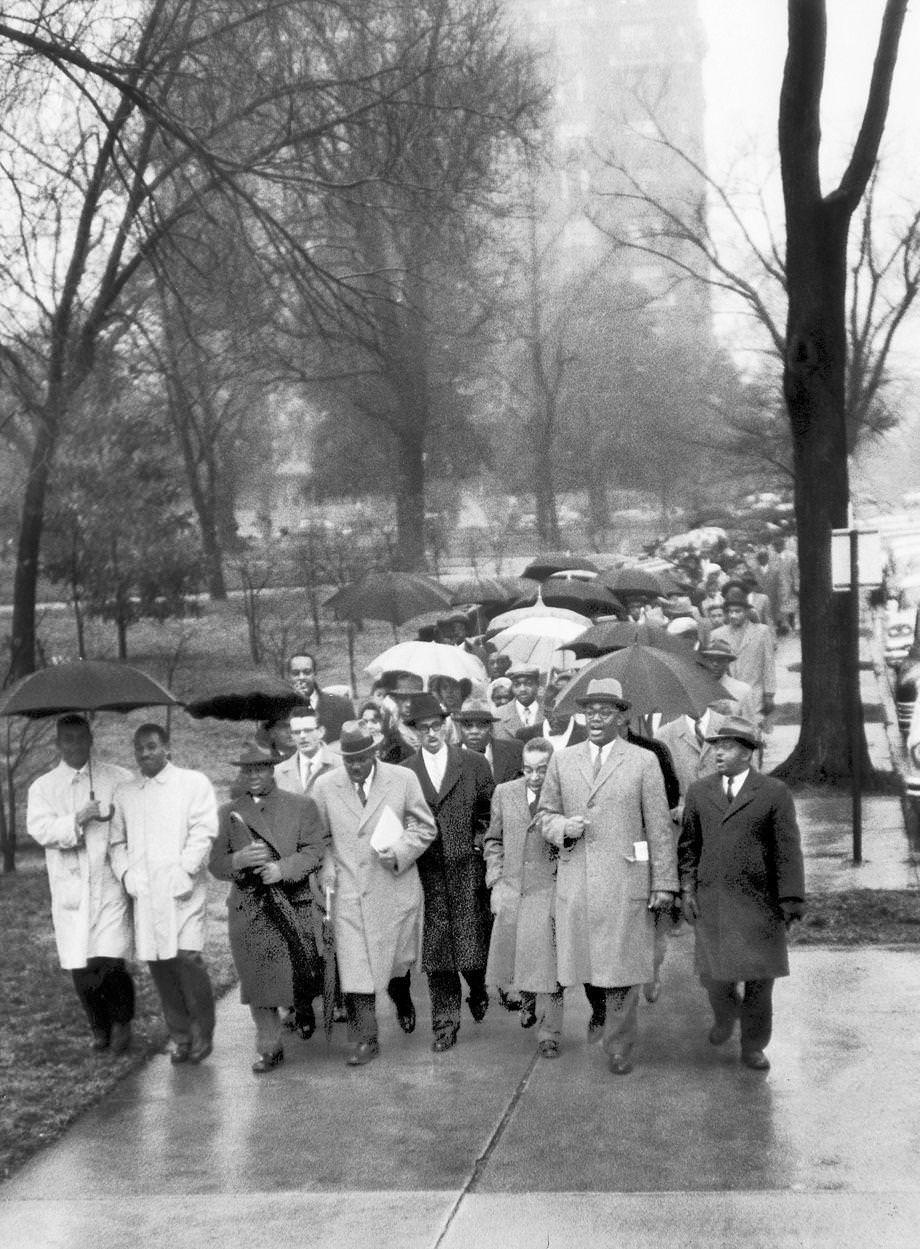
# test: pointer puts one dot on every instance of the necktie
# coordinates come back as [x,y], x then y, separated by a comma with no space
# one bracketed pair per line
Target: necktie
[598,763]
[728,789]
[532,801]
[361,794]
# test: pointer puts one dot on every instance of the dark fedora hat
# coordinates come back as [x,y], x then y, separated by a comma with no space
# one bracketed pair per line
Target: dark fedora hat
[254,752]
[424,706]
[356,739]
[736,729]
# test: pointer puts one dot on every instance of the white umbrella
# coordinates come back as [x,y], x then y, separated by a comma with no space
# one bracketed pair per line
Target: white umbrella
[429,659]
[527,648]
[556,628]
[539,611]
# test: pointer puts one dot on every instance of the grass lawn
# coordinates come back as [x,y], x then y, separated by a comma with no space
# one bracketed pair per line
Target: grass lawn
[48,1074]
[860,917]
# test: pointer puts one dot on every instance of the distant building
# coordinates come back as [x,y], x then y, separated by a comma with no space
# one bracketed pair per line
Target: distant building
[626,72]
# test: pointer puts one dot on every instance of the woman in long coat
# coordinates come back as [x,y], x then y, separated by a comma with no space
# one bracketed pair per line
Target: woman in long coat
[284,832]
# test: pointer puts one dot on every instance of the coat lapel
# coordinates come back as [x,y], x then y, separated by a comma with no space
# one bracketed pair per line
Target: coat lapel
[375,798]
[451,772]
[259,821]
[748,793]
[613,761]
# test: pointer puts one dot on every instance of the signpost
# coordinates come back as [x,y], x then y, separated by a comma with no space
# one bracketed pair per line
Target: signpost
[856,561]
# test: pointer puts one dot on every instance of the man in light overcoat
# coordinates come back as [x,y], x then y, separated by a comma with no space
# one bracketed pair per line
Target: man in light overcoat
[742,884]
[603,806]
[378,897]
[521,873]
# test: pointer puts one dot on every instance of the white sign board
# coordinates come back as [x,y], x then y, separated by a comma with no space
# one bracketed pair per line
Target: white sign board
[871,558]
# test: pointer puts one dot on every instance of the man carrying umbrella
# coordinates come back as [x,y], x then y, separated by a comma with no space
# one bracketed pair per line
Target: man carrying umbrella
[457,786]
[269,841]
[89,908]
[603,807]
[379,824]
[162,831]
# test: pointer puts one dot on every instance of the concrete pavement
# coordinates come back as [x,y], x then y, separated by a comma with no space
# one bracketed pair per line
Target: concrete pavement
[489,1145]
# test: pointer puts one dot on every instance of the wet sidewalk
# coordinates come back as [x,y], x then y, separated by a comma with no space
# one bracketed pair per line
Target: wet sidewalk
[489,1145]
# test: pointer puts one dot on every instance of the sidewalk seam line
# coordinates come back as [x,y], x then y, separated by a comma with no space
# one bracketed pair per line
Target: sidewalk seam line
[490,1146]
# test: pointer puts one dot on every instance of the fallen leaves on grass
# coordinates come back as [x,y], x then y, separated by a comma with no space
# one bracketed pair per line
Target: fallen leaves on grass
[860,917]
[48,1073]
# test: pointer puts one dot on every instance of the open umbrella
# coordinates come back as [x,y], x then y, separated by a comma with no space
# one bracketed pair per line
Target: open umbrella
[638,580]
[587,597]
[393,596]
[652,680]
[557,561]
[429,659]
[85,685]
[544,653]
[489,589]
[244,696]
[613,635]
[538,610]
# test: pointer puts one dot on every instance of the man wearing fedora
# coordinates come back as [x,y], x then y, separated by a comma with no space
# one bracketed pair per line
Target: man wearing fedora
[752,646]
[603,807]
[525,710]
[742,885]
[457,786]
[717,657]
[476,720]
[162,830]
[378,824]
[268,836]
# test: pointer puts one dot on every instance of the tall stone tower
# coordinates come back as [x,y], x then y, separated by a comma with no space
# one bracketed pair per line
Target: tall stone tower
[627,78]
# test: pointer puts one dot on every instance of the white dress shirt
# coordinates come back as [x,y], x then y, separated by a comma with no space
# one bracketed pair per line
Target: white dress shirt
[737,781]
[435,765]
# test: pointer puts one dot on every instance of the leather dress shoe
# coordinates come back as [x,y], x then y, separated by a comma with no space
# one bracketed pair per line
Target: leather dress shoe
[444,1039]
[120,1038]
[510,1001]
[100,1040]
[596,1028]
[362,1054]
[549,1049]
[305,1023]
[339,1014]
[405,1016]
[619,1065]
[180,1053]
[201,1051]
[478,1004]
[267,1062]
[755,1059]
[719,1033]
[652,990]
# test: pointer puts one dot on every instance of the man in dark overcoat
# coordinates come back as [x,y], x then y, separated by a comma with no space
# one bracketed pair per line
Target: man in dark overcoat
[268,837]
[457,785]
[742,884]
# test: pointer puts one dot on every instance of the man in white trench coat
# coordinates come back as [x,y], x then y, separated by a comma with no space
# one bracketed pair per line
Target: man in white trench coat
[603,806]
[89,908]
[379,823]
[165,822]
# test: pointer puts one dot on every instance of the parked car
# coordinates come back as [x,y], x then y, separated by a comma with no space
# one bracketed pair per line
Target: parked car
[905,689]
[899,636]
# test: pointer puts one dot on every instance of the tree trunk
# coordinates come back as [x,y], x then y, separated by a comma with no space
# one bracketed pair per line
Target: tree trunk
[410,504]
[25,583]
[814,384]
[543,486]
[213,556]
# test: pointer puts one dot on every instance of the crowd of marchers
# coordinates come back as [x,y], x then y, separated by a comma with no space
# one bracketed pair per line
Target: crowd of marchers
[475,835]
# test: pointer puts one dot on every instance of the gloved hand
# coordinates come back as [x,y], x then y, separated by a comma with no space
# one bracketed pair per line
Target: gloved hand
[689,905]
[792,910]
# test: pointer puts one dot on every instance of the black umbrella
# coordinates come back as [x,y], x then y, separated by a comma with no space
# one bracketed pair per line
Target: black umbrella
[586,597]
[244,696]
[393,596]
[489,589]
[615,635]
[557,561]
[652,680]
[329,968]
[85,685]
